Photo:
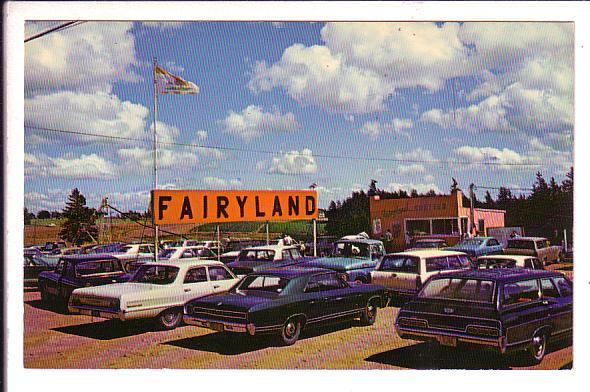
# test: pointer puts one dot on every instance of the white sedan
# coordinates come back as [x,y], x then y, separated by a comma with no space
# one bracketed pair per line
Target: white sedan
[156,290]
[186,252]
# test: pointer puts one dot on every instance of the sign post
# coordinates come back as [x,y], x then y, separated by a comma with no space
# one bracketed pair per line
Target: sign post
[315,238]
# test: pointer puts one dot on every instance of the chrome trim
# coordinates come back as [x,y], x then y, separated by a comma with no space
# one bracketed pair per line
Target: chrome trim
[243,317]
[98,309]
[219,310]
[454,315]
[206,323]
[335,315]
[460,337]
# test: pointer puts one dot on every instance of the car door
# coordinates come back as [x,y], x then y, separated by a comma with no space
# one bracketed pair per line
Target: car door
[524,310]
[195,284]
[564,306]
[398,272]
[52,281]
[221,278]
[67,281]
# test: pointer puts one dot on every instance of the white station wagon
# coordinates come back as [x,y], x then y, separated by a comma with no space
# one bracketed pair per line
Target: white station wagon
[404,273]
[156,290]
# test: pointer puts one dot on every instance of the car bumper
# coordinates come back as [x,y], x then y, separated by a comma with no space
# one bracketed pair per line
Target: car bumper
[217,325]
[498,343]
[98,312]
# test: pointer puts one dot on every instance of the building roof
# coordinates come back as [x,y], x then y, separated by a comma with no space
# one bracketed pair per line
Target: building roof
[427,253]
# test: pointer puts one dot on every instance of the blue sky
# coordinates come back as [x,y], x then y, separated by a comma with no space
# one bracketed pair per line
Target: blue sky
[492,101]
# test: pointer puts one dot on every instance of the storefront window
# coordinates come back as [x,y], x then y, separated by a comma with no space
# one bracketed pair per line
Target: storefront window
[445,226]
[418,227]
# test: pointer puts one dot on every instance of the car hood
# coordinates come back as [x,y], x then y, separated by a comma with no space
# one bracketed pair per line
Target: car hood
[255,265]
[341,263]
[465,248]
[232,301]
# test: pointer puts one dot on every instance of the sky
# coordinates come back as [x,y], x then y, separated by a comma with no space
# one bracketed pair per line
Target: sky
[283,105]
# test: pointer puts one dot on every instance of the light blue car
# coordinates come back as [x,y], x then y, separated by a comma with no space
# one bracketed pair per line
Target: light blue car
[478,246]
[355,256]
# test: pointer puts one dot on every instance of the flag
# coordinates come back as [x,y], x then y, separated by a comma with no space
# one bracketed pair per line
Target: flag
[167,83]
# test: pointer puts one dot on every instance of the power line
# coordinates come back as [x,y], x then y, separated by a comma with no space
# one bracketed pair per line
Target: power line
[61,27]
[268,152]
[144,225]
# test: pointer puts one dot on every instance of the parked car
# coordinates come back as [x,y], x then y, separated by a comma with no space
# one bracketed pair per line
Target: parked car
[187,252]
[284,301]
[33,266]
[404,273]
[72,272]
[355,256]
[137,249]
[114,247]
[508,261]
[429,243]
[504,309]
[233,247]
[156,290]
[538,247]
[258,258]
[478,246]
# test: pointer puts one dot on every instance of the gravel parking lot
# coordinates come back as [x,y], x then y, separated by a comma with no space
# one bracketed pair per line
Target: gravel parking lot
[55,340]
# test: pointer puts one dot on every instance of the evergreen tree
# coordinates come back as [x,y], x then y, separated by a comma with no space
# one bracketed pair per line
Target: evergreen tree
[43,214]
[80,225]
[28,216]
[489,201]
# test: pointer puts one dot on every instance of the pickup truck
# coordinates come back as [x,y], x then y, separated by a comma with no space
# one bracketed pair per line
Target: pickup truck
[538,247]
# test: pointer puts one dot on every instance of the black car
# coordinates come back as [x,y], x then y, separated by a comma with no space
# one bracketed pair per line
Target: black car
[72,272]
[505,309]
[283,301]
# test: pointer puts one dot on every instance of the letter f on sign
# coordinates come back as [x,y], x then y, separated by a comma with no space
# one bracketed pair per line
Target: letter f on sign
[162,206]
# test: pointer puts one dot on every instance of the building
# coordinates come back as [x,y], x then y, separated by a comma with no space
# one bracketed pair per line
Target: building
[441,216]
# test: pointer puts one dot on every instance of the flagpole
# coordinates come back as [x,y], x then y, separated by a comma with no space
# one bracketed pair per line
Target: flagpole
[156,239]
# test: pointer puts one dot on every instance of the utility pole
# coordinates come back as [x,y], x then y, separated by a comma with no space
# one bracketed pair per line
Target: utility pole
[471,210]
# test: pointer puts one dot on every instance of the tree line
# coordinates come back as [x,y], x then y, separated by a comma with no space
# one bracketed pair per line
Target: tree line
[545,212]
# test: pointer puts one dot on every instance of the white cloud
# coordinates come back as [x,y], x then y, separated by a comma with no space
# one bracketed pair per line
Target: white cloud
[252,122]
[89,57]
[411,169]
[99,113]
[166,133]
[217,182]
[169,158]
[36,201]
[86,166]
[408,187]
[201,134]
[294,162]
[489,154]
[417,154]
[397,126]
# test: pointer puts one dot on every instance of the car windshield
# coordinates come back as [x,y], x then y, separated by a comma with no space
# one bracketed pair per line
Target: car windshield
[521,244]
[463,289]
[155,274]
[93,267]
[471,242]
[166,253]
[263,284]
[351,249]
[256,255]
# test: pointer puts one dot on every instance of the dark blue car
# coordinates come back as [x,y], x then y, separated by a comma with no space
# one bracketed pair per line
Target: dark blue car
[284,301]
[505,309]
[72,272]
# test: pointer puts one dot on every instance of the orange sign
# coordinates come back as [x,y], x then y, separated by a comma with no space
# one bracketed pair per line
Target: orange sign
[194,206]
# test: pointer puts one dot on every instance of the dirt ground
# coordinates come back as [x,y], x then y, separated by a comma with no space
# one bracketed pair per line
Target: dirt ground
[54,340]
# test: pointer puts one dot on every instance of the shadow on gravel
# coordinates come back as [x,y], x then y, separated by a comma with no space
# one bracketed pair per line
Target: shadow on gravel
[235,344]
[37,304]
[108,329]
[429,355]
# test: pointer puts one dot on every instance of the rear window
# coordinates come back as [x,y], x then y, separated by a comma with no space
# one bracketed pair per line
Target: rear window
[97,267]
[400,264]
[520,292]
[269,284]
[471,290]
[254,255]
[521,244]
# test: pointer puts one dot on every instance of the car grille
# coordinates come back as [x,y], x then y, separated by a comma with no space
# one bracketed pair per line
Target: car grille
[217,314]
[412,322]
[96,302]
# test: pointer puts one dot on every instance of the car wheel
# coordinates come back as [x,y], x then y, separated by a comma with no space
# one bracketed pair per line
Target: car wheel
[369,314]
[169,319]
[291,331]
[537,347]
